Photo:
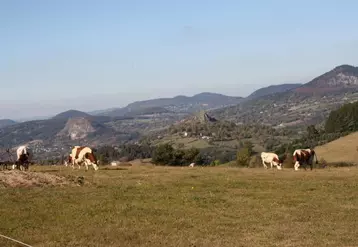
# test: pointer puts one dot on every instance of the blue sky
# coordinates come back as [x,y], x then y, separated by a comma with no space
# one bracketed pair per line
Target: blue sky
[87,55]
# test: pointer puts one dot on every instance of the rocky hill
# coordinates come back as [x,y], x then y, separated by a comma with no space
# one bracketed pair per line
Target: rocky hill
[341,78]
[6,122]
[71,114]
[309,103]
[50,137]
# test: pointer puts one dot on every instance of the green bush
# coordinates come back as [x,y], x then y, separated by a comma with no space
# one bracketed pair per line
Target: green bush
[243,157]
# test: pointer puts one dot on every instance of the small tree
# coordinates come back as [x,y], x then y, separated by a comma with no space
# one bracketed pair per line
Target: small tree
[163,154]
[243,157]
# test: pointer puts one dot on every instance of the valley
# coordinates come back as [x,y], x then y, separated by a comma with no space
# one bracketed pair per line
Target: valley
[269,118]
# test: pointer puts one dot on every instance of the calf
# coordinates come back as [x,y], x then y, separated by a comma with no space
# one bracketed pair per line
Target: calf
[271,158]
[304,156]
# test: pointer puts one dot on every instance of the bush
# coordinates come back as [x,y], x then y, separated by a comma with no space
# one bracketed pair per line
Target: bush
[288,162]
[165,154]
[255,162]
[243,157]
[215,163]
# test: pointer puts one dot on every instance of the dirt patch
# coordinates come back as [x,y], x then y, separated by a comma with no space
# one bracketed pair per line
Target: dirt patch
[17,178]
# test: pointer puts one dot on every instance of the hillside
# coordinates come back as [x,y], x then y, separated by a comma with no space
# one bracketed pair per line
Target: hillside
[344,149]
[183,104]
[304,105]
[272,90]
[340,78]
[71,114]
[6,122]
[148,111]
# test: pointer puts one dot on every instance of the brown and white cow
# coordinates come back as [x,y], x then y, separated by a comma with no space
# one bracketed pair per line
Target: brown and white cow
[24,156]
[304,156]
[271,158]
[81,154]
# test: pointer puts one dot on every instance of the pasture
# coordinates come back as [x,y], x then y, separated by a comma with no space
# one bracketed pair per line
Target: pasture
[343,149]
[170,206]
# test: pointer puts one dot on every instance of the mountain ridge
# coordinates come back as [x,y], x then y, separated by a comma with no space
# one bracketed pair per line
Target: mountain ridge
[285,108]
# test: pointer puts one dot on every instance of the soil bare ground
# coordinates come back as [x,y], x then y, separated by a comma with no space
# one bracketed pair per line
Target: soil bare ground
[16,178]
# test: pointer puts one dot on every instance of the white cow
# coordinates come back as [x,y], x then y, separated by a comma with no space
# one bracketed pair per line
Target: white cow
[271,158]
[84,155]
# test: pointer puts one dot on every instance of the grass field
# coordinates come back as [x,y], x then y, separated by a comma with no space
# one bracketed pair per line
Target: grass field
[167,206]
[344,149]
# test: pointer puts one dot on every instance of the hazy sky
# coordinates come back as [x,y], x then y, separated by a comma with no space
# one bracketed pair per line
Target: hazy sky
[87,55]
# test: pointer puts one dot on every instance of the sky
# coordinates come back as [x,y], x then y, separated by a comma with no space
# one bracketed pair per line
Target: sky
[90,55]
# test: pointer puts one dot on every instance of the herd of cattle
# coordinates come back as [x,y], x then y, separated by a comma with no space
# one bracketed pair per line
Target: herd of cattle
[84,155]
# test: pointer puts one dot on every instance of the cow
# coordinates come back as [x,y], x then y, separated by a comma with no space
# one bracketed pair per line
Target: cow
[271,158]
[304,156]
[24,155]
[81,154]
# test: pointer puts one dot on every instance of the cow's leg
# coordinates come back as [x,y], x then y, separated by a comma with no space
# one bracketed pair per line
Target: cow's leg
[271,164]
[297,164]
[95,167]
[86,165]
[263,162]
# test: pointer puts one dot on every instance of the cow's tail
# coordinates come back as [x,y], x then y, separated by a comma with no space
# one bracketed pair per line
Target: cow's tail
[315,154]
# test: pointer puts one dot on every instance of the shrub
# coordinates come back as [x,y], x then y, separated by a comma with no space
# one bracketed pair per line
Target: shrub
[243,157]
[255,162]
[163,154]
[215,163]
[288,162]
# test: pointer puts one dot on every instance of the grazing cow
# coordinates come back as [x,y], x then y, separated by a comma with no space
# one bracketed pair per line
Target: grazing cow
[81,155]
[24,155]
[304,156]
[271,158]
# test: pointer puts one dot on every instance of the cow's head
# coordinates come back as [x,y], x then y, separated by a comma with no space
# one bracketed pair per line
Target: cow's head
[91,157]
[278,163]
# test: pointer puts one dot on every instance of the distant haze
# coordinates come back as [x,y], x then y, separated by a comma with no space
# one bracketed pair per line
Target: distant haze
[89,55]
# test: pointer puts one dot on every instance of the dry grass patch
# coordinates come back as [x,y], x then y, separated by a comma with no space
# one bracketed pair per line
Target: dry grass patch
[16,178]
[168,206]
[344,149]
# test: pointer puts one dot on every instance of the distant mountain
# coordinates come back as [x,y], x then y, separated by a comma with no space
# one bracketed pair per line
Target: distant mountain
[6,122]
[179,103]
[309,103]
[273,89]
[71,114]
[341,78]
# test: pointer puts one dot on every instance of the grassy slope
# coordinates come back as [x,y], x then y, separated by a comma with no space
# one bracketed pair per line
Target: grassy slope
[163,206]
[343,149]
[200,143]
